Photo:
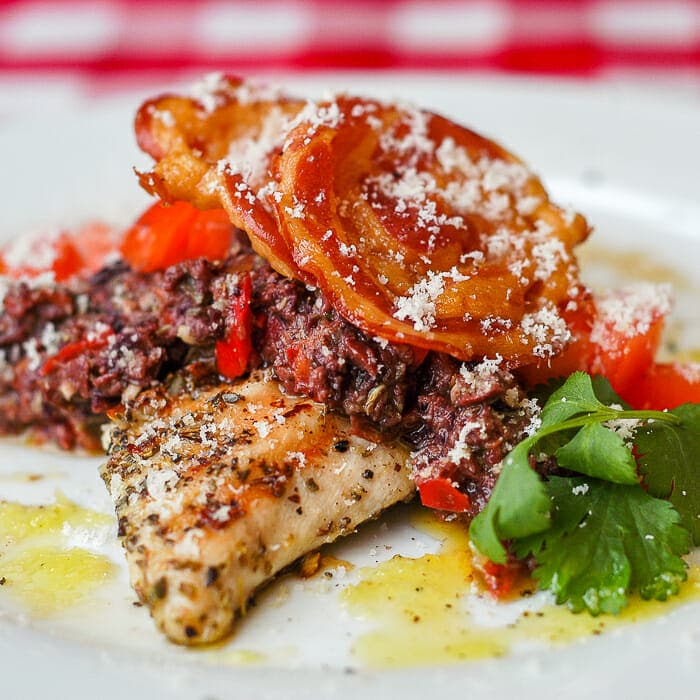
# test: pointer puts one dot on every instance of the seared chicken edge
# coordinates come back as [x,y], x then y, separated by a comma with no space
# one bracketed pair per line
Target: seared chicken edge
[219,489]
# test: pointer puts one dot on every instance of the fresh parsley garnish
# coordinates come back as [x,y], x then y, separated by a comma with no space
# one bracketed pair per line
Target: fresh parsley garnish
[599,537]
[669,459]
[606,539]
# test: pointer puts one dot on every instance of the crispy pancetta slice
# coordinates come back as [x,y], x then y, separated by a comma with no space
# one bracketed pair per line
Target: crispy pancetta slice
[417,229]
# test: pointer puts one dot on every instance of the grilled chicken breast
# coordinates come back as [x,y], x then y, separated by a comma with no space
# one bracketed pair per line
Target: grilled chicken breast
[216,490]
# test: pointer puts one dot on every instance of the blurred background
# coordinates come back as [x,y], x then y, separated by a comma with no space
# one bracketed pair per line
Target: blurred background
[52,53]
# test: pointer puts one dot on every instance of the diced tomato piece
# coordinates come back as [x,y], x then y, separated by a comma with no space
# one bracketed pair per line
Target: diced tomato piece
[598,347]
[69,254]
[233,353]
[501,578]
[624,359]
[578,353]
[96,242]
[664,386]
[70,351]
[210,235]
[167,234]
[441,494]
[65,260]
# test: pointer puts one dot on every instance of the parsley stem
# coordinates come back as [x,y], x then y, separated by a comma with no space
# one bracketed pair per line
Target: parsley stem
[663,416]
[601,416]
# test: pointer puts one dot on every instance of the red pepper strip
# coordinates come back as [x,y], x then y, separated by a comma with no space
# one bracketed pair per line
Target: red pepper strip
[233,353]
[94,341]
[442,495]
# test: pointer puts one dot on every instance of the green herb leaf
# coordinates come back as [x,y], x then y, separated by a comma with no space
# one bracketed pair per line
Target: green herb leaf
[669,458]
[542,392]
[484,535]
[597,539]
[606,540]
[605,393]
[599,452]
[519,506]
[574,397]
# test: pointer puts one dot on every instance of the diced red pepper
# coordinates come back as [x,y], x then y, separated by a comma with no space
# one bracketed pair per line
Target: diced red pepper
[664,386]
[167,234]
[441,494]
[300,362]
[67,261]
[70,351]
[210,236]
[233,353]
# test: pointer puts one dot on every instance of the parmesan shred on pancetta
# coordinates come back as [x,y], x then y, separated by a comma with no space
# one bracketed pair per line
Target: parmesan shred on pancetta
[417,230]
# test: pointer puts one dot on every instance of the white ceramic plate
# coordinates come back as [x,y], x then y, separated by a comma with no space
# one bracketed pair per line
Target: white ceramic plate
[627,160]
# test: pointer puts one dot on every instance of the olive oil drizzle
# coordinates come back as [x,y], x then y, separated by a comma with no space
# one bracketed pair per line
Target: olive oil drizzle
[39,569]
[420,609]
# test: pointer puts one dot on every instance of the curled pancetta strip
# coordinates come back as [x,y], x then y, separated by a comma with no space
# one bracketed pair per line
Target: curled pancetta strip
[418,230]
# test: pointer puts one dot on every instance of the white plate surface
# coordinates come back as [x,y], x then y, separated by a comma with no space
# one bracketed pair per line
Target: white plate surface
[628,161]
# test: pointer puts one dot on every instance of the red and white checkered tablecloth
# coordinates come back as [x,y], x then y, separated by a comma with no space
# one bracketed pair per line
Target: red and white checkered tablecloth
[93,47]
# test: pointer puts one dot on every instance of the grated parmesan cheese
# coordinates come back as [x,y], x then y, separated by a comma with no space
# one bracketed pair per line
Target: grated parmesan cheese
[159,482]
[418,305]
[630,311]
[263,428]
[205,90]
[249,157]
[461,450]
[547,330]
